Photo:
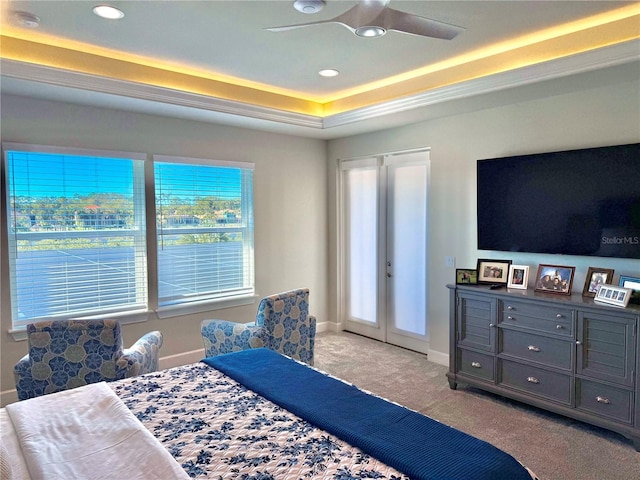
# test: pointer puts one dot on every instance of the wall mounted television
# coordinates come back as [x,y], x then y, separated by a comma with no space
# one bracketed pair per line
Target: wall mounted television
[576,202]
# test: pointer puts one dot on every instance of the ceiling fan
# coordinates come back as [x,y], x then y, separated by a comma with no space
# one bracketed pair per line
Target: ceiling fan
[373,18]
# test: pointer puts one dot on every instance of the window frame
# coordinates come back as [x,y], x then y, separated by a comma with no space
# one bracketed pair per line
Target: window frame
[246,295]
[153,309]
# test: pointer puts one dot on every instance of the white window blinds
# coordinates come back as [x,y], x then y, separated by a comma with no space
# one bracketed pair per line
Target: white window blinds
[76,232]
[204,222]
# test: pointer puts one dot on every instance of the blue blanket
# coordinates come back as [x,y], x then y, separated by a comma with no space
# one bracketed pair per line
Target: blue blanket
[410,442]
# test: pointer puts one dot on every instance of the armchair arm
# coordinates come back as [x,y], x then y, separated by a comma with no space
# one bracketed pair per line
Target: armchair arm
[221,336]
[142,357]
[25,385]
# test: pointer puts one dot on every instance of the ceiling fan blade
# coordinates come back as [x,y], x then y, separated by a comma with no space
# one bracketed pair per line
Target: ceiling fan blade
[284,28]
[417,25]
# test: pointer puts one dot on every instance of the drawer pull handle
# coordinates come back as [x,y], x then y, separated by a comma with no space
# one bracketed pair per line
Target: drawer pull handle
[476,365]
[492,325]
[509,307]
[533,348]
[578,342]
[559,327]
[604,400]
[558,315]
[509,317]
[533,380]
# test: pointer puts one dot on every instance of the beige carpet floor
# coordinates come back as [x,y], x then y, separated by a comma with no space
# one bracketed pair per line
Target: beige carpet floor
[554,447]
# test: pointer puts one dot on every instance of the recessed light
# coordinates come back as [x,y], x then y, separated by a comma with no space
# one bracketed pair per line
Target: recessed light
[329,72]
[108,12]
[370,31]
[25,19]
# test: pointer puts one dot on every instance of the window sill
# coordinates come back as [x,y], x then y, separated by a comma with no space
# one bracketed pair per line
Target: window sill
[169,311]
[19,334]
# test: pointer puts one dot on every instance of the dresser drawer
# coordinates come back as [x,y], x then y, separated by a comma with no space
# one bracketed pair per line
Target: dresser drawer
[554,352]
[476,364]
[557,321]
[536,381]
[604,400]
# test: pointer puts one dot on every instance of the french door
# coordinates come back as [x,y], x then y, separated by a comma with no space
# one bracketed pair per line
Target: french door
[383,257]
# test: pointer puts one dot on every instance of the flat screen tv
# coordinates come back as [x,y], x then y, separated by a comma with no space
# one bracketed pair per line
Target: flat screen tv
[577,202]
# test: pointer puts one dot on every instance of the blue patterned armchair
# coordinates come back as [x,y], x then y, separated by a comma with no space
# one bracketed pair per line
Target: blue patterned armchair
[282,324]
[65,354]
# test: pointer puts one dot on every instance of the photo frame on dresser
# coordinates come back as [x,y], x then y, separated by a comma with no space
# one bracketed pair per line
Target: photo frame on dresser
[596,277]
[556,279]
[518,276]
[466,276]
[634,284]
[618,296]
[493,272]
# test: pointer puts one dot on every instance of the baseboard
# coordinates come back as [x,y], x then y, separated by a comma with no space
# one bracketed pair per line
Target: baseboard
[432,355]
[184,358]
[8,396]
[327,327]
[438,357]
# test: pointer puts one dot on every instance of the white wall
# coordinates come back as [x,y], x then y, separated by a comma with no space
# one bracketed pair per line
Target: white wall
[290,203]
[592,110]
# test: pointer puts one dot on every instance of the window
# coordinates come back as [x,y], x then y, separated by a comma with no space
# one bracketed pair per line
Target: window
[204,222]
[77,232]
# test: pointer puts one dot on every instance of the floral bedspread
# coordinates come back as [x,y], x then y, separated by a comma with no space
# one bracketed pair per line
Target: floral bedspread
[216,428]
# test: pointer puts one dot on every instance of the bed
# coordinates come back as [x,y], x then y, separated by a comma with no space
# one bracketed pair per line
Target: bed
[247,415]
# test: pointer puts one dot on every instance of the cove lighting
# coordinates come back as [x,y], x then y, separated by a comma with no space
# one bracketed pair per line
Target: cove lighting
[108,12]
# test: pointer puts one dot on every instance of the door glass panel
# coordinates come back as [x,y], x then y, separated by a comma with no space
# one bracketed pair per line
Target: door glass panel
[383,247]
[409,228]
[363,248]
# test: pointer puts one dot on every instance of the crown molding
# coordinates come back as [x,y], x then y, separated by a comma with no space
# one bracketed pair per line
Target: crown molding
[94,83]
[609,56]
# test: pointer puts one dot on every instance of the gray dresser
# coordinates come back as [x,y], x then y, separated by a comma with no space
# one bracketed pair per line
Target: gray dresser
[565,354]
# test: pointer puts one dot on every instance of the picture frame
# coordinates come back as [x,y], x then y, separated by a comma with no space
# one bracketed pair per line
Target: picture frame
[518,276]
[556,279]
[632,283]
[612,295]
[493,272]
[595,278]
[466,276]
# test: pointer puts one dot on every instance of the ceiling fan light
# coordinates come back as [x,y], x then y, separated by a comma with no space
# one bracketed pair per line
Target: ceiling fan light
[308,6]
[370,31]
[108,12]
